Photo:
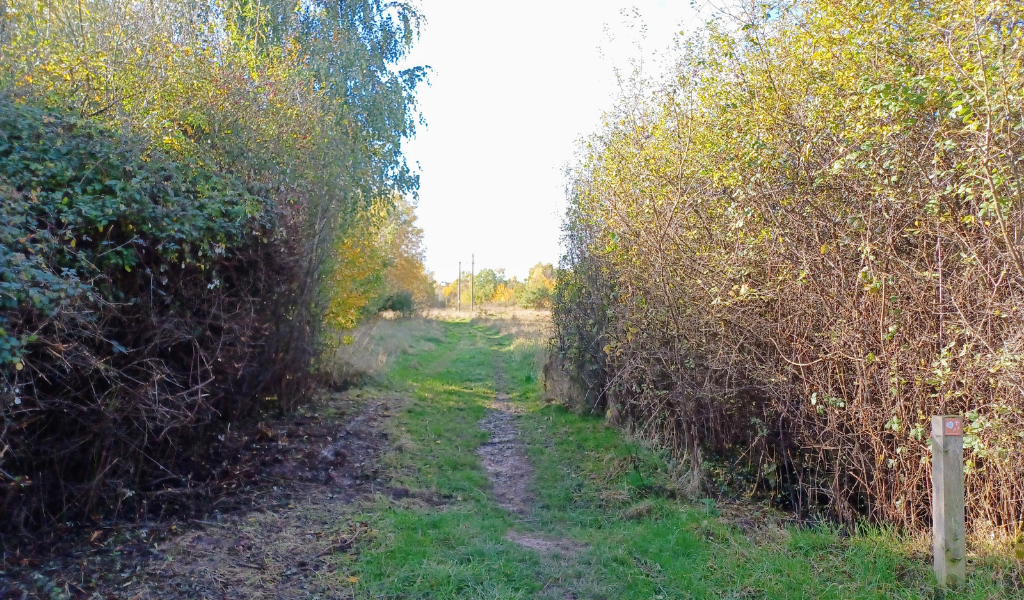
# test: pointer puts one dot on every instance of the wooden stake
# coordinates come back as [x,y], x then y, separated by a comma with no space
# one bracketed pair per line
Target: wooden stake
[949,541]
[458,305]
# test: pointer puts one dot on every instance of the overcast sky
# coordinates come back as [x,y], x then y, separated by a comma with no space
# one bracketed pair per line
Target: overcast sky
[513,86]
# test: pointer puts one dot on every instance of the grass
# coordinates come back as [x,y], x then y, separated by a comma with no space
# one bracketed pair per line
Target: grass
[364,354]
[617,499]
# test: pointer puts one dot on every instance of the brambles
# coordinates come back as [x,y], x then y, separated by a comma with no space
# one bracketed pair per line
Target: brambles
[131,282]
[179,180]
[794,250]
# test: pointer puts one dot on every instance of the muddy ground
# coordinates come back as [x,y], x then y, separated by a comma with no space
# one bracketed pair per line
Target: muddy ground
[277,524]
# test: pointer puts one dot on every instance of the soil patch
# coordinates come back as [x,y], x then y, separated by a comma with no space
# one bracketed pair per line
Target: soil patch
[276,519]
[504,457]
[509,469]
[546,545]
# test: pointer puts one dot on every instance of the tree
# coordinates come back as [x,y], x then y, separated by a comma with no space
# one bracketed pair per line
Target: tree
[183,183]
[536,292]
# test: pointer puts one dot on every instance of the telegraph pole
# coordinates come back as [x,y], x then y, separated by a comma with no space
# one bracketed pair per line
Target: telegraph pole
[458,287]
[472,282]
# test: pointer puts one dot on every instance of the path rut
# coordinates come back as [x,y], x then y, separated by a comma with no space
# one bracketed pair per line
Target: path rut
[508,467]
[504,457]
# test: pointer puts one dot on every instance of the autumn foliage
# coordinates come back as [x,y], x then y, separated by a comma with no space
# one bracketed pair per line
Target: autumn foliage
[188,194]
[804,240]
[493,286]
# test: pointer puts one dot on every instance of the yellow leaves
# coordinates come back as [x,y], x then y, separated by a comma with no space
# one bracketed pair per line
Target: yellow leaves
[353,579]
[380,253]
[503,294]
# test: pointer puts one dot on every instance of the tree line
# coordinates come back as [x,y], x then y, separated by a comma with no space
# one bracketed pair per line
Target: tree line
[493,286]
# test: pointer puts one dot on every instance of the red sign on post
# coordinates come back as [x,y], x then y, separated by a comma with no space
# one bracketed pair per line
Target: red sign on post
[949,545]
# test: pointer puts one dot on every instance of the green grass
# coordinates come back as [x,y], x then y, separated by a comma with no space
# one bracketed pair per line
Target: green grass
[592,485]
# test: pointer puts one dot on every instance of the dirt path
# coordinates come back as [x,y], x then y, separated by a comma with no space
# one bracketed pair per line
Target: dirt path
[504,457]
[292,551]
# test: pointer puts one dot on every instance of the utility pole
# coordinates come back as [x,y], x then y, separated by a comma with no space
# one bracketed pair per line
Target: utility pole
[458,306]
[472,282]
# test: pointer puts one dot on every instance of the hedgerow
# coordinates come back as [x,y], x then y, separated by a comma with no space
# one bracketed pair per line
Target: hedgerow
[178,180]
[803,242]
[123,275]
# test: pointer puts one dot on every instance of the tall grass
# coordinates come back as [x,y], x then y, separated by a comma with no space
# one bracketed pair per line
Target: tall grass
[363,354]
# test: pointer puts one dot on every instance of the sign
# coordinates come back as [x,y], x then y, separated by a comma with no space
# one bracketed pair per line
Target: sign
[953,425]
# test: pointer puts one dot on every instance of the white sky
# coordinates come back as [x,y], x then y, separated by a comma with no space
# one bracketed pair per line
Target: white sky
[513,86]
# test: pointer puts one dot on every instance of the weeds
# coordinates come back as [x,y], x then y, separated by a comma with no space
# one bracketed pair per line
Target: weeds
[363,354]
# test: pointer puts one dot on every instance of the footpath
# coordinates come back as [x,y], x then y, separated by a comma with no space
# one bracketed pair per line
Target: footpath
[452,477]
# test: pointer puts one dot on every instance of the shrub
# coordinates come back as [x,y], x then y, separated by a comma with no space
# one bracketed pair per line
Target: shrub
[130,286]
[398,302]
[175,179]
[804,242]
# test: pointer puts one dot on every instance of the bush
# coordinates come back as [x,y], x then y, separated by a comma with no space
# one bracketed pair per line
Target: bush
[792,252]
[131,285]
[401,302]
[175,180]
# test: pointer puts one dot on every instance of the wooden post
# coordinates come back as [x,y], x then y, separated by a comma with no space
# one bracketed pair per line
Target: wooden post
[458,288]
[472,282]
[949,528]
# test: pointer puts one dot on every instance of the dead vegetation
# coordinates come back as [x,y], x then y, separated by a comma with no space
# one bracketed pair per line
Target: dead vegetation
[362,354]
[277,524]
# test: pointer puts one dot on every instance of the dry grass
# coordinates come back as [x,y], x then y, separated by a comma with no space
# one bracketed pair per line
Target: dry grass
[531,332]
[363,353]
[489,312]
